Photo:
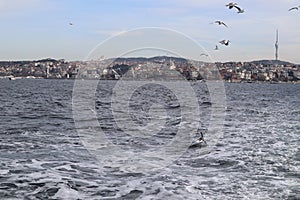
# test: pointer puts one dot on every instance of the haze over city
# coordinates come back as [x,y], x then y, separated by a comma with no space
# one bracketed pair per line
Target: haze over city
[35,29]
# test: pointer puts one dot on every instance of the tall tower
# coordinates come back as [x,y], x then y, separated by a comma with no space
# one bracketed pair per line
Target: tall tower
[276,46]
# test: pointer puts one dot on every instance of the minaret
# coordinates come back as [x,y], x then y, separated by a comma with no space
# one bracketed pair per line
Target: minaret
[276,46]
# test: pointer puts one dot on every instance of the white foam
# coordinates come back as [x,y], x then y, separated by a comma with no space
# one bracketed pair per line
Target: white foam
[68,193]
[4,171]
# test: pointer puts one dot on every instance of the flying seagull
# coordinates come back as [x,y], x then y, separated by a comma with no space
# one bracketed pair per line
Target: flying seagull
[225,42]
[203,54]
[294,8]
[240,10]
[231,5]
[200,142]
[220,23]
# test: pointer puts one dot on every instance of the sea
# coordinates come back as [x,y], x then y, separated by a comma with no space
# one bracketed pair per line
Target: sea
[88,139]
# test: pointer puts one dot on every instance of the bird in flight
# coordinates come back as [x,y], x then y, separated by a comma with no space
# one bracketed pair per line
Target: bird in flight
[203,54]
[216,48]
[231,5]
[294,8]
[234,5]
[200,142]
[220,23]
[71,24]
[225,42]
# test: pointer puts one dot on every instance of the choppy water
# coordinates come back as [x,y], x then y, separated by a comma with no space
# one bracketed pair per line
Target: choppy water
[42,155]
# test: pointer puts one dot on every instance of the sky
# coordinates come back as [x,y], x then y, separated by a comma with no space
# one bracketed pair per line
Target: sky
[36,29]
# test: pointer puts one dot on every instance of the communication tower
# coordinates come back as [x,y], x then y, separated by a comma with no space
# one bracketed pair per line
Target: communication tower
[276,46]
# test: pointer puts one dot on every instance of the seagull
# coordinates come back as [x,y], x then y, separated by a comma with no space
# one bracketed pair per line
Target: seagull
[201,139]
[220,23]
[216,48]
[294,8]
[240,10]
[231,5]
[203,54]
[199,142]
[225,42]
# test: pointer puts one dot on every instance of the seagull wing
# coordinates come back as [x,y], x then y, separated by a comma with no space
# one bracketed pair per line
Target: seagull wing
[231,5]
[240,10]
[224,24]
[293,8]
[220,23]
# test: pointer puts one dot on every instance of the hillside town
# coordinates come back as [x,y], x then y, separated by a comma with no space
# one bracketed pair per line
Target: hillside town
[159,68]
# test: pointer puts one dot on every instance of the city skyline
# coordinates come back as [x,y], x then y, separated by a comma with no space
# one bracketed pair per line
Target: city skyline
[35,29]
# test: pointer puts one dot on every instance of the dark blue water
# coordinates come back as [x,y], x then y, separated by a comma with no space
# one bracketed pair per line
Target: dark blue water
[44,156]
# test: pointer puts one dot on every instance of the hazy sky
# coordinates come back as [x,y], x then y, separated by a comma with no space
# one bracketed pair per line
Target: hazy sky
[34,29]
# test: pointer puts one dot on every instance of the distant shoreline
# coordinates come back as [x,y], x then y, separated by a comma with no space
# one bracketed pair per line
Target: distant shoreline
[156,68]
[161,80]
